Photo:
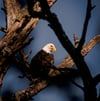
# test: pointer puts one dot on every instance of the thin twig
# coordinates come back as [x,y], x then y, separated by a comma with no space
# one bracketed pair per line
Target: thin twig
[76,84]
[3,29]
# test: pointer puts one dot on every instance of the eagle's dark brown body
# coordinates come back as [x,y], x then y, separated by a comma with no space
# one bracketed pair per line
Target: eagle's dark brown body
[41,61]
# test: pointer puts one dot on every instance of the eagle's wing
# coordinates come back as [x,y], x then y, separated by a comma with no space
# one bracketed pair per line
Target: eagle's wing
[41,61]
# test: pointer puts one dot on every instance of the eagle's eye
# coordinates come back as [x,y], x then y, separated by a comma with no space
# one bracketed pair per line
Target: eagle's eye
[51,46]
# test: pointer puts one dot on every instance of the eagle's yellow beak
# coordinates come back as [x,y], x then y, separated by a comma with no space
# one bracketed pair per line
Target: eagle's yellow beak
[54,49]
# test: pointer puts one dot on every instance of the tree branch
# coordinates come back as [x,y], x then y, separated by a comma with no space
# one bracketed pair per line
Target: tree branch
[12,8]
[15,38]
[25,95]
[90,90]
[97,79]
[3,29]
[68,62]
[85,26]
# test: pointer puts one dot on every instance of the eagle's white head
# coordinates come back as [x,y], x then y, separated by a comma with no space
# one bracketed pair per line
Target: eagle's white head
[50,47]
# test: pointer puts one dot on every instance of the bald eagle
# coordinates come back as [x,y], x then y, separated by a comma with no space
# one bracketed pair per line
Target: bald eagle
[43,60]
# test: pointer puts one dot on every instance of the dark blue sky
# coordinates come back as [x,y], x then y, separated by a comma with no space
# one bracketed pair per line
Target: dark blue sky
[71,14]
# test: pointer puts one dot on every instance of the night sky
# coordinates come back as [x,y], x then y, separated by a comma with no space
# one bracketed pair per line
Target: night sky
[71,14]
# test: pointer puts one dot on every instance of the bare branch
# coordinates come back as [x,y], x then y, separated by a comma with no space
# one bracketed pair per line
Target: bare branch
[15,38]
[86,22]
[90,90]
[12,8]
[24,58]
[96,79]
[68,62]
[31,90]
[76,84]
[25,95]
[3,70]
[3,29]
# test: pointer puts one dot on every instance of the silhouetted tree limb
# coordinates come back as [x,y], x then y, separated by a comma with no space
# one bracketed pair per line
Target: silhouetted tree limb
[90,89]
[97,79]
[85,26]
[68,62]
[3,29]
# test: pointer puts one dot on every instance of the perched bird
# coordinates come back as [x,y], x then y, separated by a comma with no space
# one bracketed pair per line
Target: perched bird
[43,60]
